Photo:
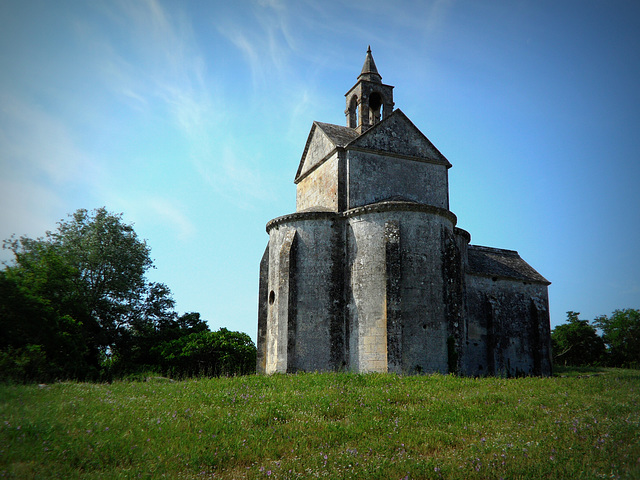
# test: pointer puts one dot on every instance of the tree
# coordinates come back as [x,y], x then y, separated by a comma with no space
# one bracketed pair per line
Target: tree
[36,342]
[110,263]
[191,323]
[89,274]
[94,260]
[76,304]
[135,348]
[577,343]
[621,334]
[209,353]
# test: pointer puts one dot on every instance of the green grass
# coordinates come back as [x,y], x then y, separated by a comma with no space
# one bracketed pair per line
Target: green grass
[577,425]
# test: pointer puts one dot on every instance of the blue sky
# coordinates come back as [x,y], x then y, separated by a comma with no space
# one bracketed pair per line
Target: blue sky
[190,118]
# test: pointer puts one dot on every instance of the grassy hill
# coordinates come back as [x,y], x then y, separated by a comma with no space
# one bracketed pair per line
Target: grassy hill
[574,425]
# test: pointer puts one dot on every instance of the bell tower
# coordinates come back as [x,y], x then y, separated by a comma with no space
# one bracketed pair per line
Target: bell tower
[369,100]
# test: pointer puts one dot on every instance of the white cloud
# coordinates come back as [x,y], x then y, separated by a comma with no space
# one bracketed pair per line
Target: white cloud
[165,212]
[263,36]
[164,66]
[171,214]
[26,208]
[41,165]
[33,141]
[144,65]
[248,48]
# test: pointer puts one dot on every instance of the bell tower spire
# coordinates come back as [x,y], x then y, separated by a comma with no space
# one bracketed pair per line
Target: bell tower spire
[369,99]
[369,71]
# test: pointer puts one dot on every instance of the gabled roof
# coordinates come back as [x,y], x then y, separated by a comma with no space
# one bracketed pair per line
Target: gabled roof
[338,134]
[496,262]
[323,140]
[397,135]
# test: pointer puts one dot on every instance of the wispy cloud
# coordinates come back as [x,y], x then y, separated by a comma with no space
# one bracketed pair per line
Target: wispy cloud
[169,213]
[39,160]
[173,216]
[35,142]
[262,34]
[152,55]
[26,208]
[164,65]
[159,211]
[141,64]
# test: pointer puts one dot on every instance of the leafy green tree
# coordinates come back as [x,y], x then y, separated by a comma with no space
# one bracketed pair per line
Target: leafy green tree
[621,334]
[37,343]
[134,350]
[133,346]
[110,263]
[93,262]
[76,304]
[209,353]
[158,308]
[89,275]
[191,322]
[577,343]
[159,314]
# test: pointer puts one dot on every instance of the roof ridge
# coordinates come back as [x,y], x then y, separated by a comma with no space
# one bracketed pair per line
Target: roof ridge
[495,250]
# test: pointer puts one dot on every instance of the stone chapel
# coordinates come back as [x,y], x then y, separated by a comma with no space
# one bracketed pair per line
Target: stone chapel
[371,274]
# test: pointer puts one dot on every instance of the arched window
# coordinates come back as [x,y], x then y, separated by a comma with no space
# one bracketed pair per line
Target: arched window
[352,119]
[375,102]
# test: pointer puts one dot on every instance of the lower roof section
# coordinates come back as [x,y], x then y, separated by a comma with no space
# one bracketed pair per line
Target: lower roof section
[500,263]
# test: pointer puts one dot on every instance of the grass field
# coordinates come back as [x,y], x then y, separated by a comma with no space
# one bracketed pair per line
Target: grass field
[576,425]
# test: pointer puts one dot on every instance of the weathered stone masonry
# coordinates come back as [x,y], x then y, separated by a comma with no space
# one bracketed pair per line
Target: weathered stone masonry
[371,272]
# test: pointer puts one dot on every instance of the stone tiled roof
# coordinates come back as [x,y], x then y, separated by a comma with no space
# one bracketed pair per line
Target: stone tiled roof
[369,70]
[338,134]
[496,262]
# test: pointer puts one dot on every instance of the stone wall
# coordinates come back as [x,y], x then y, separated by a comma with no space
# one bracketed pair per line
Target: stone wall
[281,298]
[318,279]
[318,147]
[397,296]
[508,327]
[263,313]
[367,293]
[374,178]
[319,189]
[425,332]
[383,288]
[305,312]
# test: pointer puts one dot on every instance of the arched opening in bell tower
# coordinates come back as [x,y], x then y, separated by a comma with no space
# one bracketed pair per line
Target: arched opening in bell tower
[352,112]
[375,104]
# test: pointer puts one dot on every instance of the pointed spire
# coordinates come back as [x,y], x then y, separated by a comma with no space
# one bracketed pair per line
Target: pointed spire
[369,70]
